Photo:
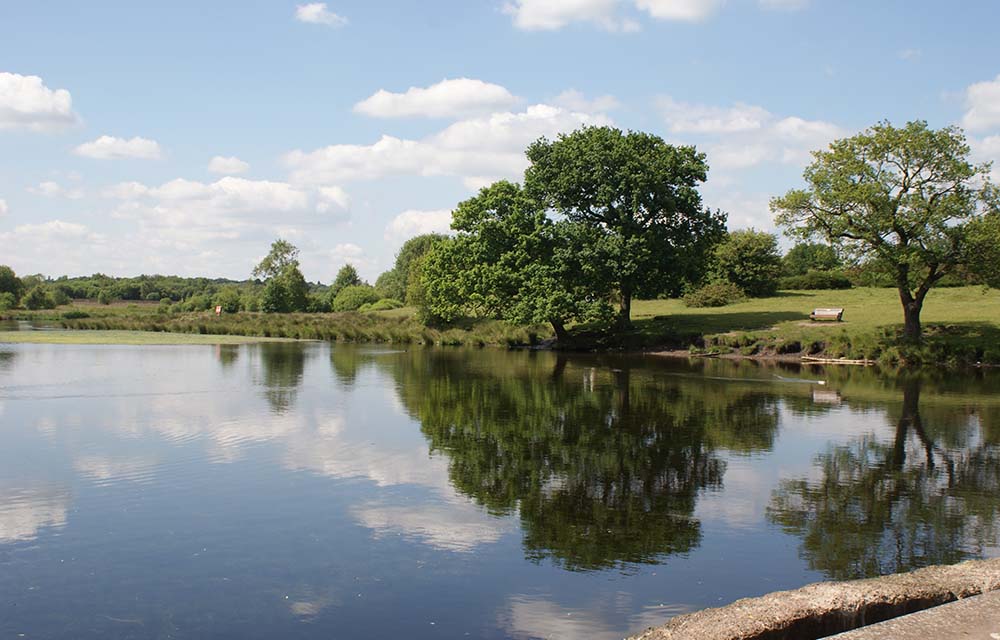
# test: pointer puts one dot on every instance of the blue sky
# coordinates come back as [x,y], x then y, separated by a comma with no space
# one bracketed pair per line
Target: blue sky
[182,137]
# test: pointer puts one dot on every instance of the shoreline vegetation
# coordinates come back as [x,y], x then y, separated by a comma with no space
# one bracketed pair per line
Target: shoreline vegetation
[962,328]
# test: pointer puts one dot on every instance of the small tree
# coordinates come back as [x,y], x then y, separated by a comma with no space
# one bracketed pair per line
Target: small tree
[10,283]
[810,256]
[904,197]
[351,298]
[282,254]
[750,260]
[346,277]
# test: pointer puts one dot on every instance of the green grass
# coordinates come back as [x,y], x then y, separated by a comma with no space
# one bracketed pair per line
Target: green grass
[120,337]
[960,324]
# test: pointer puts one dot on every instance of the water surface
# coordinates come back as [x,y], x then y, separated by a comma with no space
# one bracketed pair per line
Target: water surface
[302,490]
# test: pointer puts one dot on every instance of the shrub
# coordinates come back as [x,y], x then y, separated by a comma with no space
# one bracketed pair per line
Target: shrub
[7,301]
[37,298]
[817,280]
[353,297]
[750,260]
[104,297]
[385,304]
[75,314]
[715,294]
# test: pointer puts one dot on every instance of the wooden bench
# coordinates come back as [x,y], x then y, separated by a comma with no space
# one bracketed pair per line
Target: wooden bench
[827,314]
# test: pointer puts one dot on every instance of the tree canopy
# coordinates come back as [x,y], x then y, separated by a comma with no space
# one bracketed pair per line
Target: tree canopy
[283,254]
[903,198]
[750,260]
[509,260]
[639,197]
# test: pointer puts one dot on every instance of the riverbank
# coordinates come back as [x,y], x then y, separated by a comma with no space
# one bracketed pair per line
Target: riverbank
[72,336]
[961,327]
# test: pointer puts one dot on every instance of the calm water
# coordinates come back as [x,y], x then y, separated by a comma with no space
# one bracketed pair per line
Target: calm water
[308,491]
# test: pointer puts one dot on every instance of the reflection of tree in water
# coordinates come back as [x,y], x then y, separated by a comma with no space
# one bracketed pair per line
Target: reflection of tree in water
[227,354]
[603,466]
[282,365]
[7,360]
[886,507]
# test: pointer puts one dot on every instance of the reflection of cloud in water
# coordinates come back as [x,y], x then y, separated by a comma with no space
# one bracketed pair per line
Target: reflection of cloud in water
[106,470]
[24,512]
[452,527]
[536,617]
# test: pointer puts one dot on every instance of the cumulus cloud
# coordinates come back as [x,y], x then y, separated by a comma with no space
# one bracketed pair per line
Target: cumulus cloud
[448,98]
[576,101]
[52,230]
[227,165]
[983,105]
[3,207]
[26,103]
[682,10]
[52,189]
[743,135]
[110,147]
[414,223]
[473,148]
[988,150]
[317,13]
[684,117]
[548,15]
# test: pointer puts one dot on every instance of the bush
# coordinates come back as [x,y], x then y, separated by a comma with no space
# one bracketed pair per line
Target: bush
[38,298]
[75,314]
[750,260]
[7,301]
[351,298]
[104,297]
[817,280]
[385,304]
[715,294]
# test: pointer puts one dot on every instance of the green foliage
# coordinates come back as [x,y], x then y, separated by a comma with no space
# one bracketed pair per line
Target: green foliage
[396,282]
[638,196]
[283,254]
[285,292]
[750,260]
[810,256]
[715,294]
[816,280]
[229,299]
[510,261]
[346,277]
[7,301]
[10,283]
[37,298]
[103,297]
[351,298]
[385,304]
[983,248]
[316,303]
[904,197]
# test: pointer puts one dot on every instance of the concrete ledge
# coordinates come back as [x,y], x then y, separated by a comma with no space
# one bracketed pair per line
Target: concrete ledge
[827,608]
[976,617]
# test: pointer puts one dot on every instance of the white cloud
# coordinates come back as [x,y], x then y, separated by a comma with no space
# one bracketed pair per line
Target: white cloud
[51,189]
[317,13]
[227,165]
[3,207]
[453,527]
[26,103]
[548,15]
[486,146]
[988,150]
[110,147]
[414,223]
[681,10]
[575,101]
[683,117]
[52,230]
[448,98]
[909,54]
[983,103]
[743,135]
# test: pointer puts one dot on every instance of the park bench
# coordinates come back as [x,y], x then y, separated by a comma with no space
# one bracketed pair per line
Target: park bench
[827,314]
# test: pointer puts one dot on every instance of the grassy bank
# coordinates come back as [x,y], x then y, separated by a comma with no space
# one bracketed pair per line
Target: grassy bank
[121,337]
[962,326]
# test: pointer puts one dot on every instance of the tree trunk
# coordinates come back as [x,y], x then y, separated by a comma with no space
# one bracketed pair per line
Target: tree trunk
[911,316]
[625,313]
[560,329]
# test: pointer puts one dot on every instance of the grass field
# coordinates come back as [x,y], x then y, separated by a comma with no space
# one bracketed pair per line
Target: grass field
[120,337]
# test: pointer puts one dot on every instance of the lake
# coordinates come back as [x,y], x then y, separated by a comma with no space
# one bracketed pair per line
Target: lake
[308,490]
